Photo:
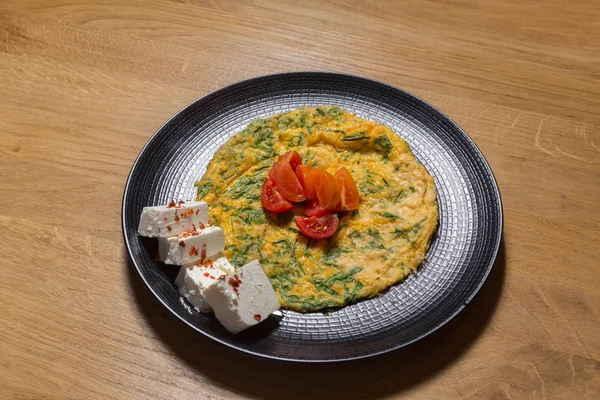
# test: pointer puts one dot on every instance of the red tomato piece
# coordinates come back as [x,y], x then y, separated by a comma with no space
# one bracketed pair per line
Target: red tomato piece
[313,209]
[286,180]
[291,157]
[349,196]
[318,227]
[271,199]
[304,174]
[328,193]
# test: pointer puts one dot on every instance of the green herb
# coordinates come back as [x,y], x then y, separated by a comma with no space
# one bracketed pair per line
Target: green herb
[300,139]
[264,140]
[293,230]
[335,111]
[368,185]
[245,185]
[245,236]
[389,215]
[374,246]
[303,120]
[321,112]
[337,130]
[412,189]
[355,137]
[282,281]
[251,215]
[386,182]
[309,130]
[401,194]
[204,188]
[332,254]
[325,284]
[417,227]
[398,166]
[352,294]
[284,123]
[308,243]
[354,234]
[230,172]
[382,143]
[374,233]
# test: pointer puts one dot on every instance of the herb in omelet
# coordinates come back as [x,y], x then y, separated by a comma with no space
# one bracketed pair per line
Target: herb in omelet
[340,277]
[204,188]
[382,143]
[320,274]
[355,137]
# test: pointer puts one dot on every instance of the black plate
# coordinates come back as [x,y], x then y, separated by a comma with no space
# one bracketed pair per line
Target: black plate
[460,257]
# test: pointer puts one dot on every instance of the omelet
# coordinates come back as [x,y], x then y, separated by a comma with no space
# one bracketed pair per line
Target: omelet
[374,247]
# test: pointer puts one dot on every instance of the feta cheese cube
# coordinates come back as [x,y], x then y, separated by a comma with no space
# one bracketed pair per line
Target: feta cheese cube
[193,279]
[189,247]
[173,219]
[242,298]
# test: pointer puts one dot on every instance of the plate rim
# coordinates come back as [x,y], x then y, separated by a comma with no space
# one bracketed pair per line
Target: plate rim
[331,75]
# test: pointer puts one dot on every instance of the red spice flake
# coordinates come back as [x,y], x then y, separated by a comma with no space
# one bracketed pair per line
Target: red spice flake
[182,243]
[197,211]
[212,277]
[209,263]
[180,202]
[176,217]
[203,252]
[235,283]
[257,317]
[169,228]
[193,251]
[202,226]
[172,204]
[206,274]
[165,218]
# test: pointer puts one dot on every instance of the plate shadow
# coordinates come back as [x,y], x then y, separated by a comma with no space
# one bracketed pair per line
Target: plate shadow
[375,377]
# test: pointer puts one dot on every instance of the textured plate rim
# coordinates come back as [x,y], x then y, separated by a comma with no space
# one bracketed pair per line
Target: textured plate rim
[333,75]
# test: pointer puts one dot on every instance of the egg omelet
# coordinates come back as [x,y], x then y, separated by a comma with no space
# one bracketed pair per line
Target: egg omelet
[375,246]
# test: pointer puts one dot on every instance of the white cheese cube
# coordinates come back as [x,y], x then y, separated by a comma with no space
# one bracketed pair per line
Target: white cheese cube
[192,246]
[173,219]
[242,298]
[193,279]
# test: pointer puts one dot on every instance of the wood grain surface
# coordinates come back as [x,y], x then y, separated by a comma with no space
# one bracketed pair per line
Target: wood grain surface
[83,85]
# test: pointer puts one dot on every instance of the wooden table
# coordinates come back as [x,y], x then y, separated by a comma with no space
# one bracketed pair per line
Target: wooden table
[83,85]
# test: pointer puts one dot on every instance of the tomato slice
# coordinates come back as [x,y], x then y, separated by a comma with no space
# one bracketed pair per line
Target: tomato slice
[271,199]
[349,196]
[286,180]
[291,157]
[328,193]
[313,209]
[318,227]
[304,174]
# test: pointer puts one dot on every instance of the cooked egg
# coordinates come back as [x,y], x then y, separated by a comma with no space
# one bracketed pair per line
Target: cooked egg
[375,246]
